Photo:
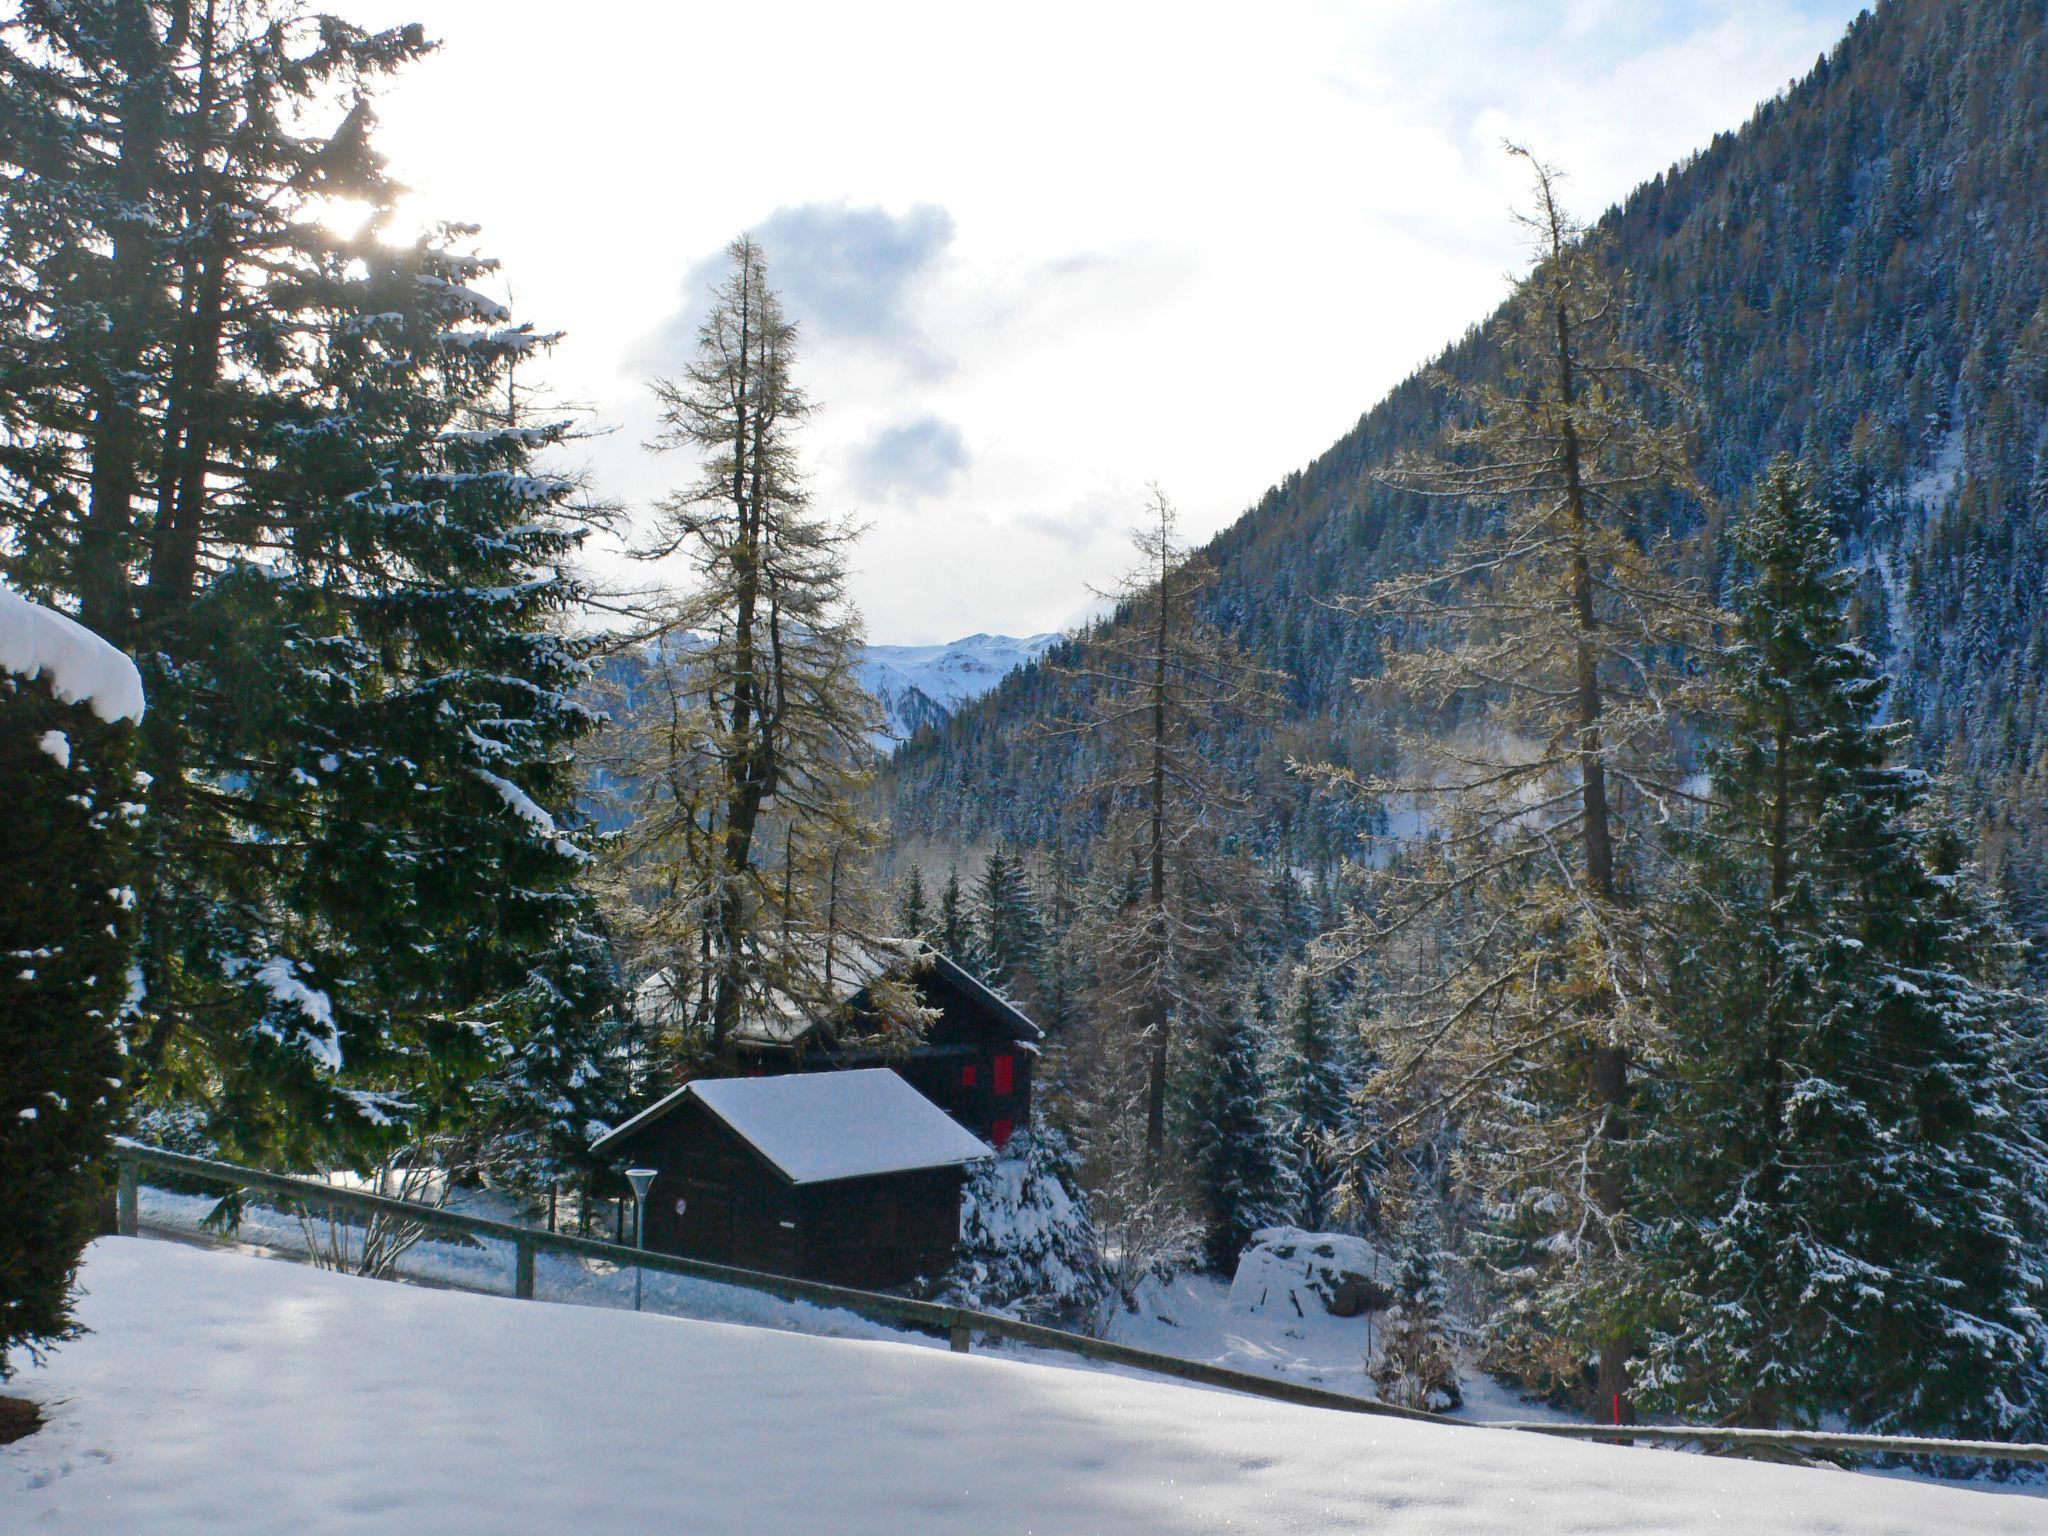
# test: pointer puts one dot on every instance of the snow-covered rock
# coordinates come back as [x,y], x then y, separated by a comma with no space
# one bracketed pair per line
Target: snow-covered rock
[1286,1269]
[233,1396]
[80,667]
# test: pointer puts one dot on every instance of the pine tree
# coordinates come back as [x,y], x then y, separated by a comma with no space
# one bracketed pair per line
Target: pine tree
[749,830]
[1315,1091]
[1847,1173]
[1546,649]
[315,515]
[1417,1367]
[1012,935]
[913,918]
[1243,1164]
[67,943]
[1027,1242]
[956,925]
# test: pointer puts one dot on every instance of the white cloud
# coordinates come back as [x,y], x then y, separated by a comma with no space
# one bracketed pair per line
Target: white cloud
[1102,244]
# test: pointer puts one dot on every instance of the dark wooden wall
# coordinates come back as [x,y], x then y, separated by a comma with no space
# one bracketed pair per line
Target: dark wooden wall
[878,1231]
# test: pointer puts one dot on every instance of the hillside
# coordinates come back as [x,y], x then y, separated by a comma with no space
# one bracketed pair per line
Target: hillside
[1858,275]
[921,686]
[224,1394]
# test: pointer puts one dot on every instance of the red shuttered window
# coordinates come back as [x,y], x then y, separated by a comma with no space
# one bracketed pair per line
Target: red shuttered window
[969,1076]
[1000,1133]
[1006,1074]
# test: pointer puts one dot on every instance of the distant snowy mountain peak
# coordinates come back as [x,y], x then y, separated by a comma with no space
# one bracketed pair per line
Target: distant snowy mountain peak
[920,685]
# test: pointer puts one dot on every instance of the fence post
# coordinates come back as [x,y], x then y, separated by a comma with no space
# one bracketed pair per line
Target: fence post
[126,1214]
[522,1270]
[960,1337]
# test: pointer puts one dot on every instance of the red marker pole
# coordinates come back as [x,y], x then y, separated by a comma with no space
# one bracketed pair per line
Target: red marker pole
[1617,1410]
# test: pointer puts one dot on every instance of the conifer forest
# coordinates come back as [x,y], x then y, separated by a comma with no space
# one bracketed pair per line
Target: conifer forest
[1582,840]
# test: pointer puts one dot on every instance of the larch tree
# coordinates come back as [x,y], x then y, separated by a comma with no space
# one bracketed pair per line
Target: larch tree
[752,828]
[1844,1174]
[1543,658]
[1155,685]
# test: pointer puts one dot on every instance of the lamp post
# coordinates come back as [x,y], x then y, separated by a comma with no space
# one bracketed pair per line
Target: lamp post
[639,1178]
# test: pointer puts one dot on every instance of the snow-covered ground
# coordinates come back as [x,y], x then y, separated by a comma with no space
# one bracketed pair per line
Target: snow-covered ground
[227,1395]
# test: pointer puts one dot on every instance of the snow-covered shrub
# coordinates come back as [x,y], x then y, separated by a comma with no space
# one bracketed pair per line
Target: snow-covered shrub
[1285,1269]
[1027,1244]
[68,702]
[1416,1367]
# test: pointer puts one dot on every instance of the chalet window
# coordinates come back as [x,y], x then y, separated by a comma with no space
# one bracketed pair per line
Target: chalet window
[1006,1074]
[969,1075]
[1000,1133]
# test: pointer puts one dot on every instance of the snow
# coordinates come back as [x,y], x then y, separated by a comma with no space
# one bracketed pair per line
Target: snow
[81,667]
[927,684]
[279,976]
[532,812]
[227,1395]
[820,1126]
[56,744]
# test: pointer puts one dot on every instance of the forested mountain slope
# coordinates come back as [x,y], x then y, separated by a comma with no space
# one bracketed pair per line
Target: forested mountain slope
[1859,275]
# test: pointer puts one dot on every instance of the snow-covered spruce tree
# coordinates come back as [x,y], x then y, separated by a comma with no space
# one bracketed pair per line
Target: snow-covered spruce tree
[747,824]
[1317,1114]
[1027,1243]
[1843,1179]
[313,513]
[1542,658]
[1244,1166]
[68,702]
[956,925]
[1012,933]
[1417,1366]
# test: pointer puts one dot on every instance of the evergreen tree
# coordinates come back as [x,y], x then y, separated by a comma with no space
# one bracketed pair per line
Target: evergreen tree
[1417,1367]
[1315,1090]
[67,942]
[1847,1171]
[314,512]
[913,918]
[1027,1243]
[1243,1164]
[749,827]
[956,925]
[1012,936]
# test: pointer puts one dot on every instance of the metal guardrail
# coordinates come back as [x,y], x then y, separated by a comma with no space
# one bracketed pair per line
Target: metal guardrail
[959,1324]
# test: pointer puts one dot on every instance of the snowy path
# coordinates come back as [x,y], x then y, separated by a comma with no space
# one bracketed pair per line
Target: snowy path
[231,1395]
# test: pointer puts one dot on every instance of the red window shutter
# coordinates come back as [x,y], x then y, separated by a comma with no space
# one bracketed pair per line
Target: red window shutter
[1006,1074]
[969,1076]
[1000,1133]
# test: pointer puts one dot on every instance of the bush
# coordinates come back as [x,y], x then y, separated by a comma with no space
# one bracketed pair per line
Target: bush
[65,953]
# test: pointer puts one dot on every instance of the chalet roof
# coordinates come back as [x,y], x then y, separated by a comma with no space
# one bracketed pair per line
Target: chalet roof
[778,1020]
[815,1127]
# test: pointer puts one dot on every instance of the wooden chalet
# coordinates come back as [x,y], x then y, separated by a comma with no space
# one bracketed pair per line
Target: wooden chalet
[851,1177]
[974,1060]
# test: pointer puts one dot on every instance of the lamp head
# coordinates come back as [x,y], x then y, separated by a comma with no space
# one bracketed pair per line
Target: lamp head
[640,1178]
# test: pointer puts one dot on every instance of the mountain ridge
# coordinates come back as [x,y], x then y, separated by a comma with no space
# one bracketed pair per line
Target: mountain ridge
[1859,275]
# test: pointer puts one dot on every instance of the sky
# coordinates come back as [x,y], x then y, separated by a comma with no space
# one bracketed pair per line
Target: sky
[1045,256]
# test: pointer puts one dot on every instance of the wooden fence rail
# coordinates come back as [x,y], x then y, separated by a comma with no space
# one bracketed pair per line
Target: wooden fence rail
[959,1325]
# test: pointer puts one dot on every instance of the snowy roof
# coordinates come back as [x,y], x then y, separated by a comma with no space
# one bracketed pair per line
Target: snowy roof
[858,965]
[815,1127]
[81,667]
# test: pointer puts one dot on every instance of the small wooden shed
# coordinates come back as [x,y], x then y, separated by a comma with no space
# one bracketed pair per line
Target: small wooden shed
[848,1177]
